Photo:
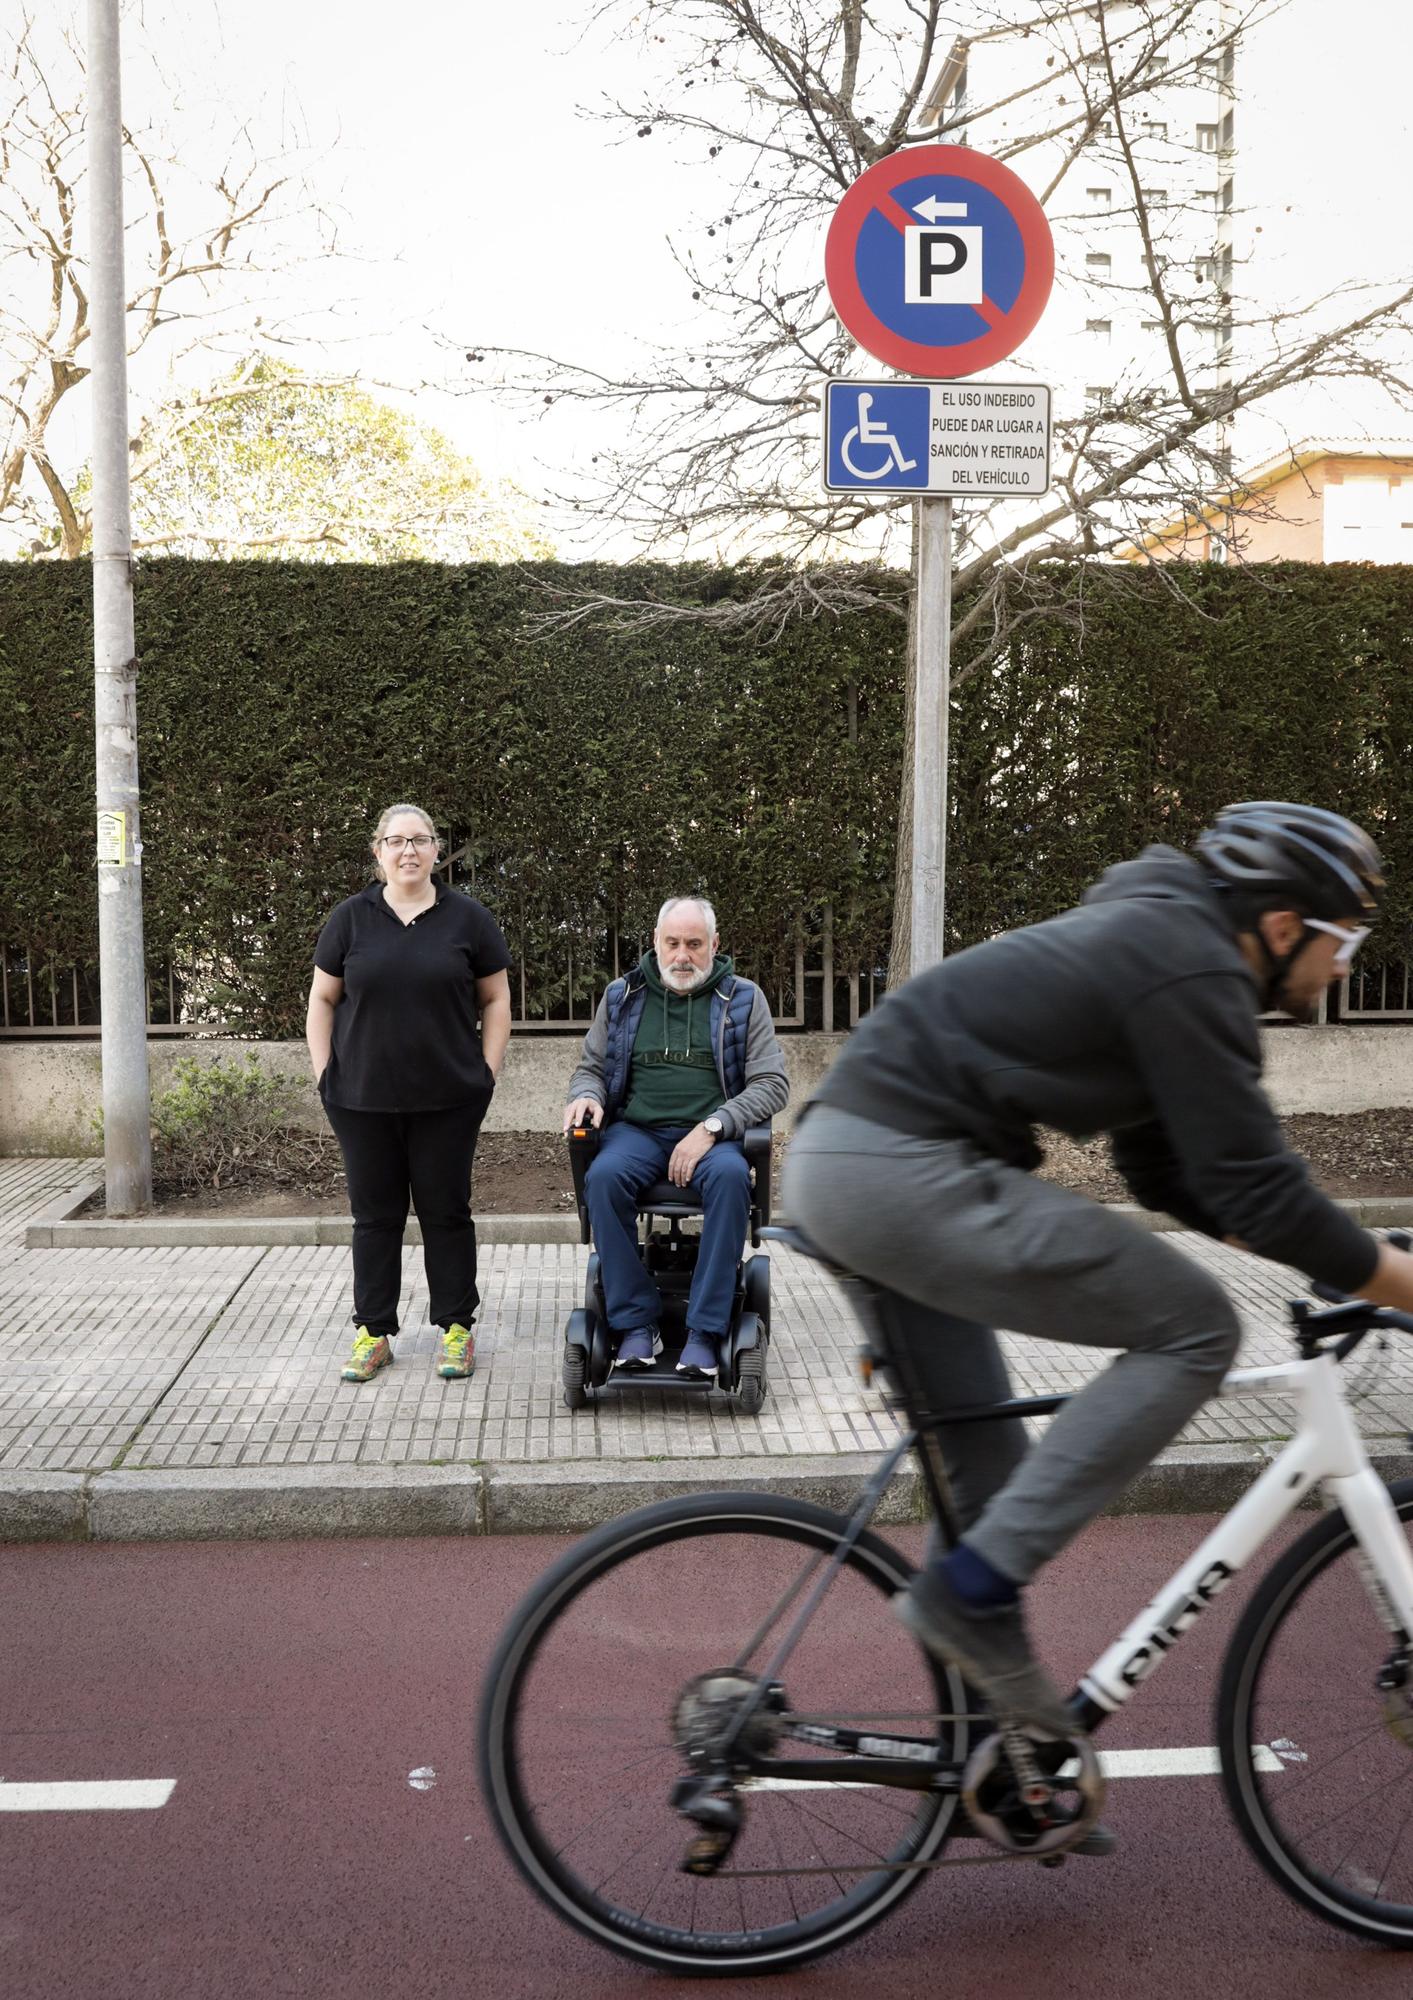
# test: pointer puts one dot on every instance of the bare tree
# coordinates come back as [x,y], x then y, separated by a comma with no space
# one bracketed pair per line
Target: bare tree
[784,103]
[201,248]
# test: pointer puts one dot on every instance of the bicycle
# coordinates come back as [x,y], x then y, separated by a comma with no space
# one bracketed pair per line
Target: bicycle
[776,1816]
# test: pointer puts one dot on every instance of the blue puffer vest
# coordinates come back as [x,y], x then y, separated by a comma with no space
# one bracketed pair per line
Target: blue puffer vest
[626,999]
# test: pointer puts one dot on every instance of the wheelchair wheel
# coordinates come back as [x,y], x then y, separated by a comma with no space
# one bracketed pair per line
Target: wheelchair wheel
[572,1376]
[750,1369]
[757,1288]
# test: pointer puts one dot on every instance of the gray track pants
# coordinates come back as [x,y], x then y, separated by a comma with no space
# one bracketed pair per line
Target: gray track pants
[941,1224]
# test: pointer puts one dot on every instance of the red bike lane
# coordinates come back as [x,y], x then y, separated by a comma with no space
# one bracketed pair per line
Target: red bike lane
[315,1705]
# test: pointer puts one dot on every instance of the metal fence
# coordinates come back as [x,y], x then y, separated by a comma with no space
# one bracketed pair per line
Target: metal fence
[556,986]
[559,975]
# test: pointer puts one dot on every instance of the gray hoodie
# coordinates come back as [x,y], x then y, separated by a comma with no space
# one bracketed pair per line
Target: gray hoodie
[1133,1015]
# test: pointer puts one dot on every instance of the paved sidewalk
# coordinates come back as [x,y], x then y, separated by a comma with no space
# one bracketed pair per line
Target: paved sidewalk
[156,1392]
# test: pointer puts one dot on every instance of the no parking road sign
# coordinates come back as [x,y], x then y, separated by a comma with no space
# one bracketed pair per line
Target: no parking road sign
[939,261]
[986,439]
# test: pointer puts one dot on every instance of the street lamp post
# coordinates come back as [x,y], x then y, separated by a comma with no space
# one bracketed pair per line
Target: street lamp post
[127,1142]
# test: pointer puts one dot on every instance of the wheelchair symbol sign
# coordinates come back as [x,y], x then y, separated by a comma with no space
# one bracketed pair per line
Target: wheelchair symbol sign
[877,435]
[868,437]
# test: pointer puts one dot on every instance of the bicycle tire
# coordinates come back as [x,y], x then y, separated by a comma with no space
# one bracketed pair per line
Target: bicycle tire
[1278,1733]
[873,1566]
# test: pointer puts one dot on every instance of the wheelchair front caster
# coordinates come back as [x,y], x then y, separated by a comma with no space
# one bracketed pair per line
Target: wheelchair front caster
[572,1376]
[750,1375]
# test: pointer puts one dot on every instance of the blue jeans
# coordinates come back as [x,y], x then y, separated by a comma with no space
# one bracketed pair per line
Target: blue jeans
[630,1158]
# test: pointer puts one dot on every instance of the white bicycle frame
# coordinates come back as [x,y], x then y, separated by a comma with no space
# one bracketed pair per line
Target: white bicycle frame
[1326,1451]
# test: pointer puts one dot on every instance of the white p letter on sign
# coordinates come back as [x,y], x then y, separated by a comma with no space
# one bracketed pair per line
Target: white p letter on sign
[942,265]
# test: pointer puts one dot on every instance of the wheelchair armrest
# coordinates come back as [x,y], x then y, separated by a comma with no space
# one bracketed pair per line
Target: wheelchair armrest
[583,1143]
[755,1143]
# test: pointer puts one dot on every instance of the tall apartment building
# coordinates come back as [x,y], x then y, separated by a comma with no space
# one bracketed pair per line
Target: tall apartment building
[1035,88]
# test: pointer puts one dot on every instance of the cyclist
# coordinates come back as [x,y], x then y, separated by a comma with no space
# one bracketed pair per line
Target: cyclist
[1133,1015]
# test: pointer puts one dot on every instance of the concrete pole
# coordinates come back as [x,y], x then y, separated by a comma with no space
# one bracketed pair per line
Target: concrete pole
[127,1144]
[932,586]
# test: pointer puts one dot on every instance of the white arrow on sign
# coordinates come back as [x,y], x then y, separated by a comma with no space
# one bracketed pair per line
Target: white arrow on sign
[933,210]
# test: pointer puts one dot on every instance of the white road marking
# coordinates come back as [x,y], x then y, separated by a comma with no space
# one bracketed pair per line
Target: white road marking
[1200,1762]
[422,1779]
[105,1795]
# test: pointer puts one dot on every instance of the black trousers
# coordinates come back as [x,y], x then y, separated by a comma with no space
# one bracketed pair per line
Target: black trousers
[391,1158]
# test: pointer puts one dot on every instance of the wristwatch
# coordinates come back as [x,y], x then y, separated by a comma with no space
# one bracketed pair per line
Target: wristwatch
[714,1125]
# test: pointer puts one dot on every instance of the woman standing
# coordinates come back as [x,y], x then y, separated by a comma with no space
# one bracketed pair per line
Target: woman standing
[401,972]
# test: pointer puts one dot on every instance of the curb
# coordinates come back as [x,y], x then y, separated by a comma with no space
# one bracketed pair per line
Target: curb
[325,1502]
[53,1228]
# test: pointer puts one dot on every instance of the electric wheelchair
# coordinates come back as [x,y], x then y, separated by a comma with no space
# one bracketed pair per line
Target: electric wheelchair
[671,1255]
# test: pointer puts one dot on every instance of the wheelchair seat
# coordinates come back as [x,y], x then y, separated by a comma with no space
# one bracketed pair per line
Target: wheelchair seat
[670,1255]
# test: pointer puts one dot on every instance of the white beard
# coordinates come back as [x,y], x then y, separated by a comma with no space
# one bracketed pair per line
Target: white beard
[688,982]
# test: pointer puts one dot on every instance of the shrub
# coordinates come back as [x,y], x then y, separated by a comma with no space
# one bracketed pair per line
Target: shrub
[226,1122]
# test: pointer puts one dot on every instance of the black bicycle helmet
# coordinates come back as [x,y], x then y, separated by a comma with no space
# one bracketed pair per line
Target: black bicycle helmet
[1272,855]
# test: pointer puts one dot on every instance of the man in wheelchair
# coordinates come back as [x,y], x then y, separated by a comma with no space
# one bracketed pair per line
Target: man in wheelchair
[681,1060]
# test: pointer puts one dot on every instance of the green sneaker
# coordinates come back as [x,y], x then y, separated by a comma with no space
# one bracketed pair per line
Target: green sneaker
[458,1352]
[371,1351]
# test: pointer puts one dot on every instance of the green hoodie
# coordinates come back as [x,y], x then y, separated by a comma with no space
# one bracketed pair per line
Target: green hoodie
[672,1077]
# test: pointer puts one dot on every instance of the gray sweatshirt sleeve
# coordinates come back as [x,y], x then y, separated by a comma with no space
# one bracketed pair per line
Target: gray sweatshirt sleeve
[588,1078]
[767,1087]
[1198,1048]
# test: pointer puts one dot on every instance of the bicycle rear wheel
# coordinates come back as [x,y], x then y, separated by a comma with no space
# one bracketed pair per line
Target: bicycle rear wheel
[578,1754]
[1317,1760]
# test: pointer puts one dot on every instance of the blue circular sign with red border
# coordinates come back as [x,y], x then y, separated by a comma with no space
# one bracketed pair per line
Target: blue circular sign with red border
[939,261]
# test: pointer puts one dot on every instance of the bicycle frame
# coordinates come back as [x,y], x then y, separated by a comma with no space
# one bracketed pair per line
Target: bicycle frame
[1326,1451]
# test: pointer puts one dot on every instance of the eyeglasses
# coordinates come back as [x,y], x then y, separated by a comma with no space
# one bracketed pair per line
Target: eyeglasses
[395,842]
[1350,941]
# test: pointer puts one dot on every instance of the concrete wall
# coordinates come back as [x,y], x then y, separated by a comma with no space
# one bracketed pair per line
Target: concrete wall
[50,1091]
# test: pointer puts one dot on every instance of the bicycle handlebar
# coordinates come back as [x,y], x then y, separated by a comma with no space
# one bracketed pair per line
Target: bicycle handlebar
[1365,1315]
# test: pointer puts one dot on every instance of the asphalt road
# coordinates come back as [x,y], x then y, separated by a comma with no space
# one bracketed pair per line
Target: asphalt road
[315,1703]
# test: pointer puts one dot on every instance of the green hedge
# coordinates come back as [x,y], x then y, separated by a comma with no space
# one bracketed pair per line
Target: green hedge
[281,705]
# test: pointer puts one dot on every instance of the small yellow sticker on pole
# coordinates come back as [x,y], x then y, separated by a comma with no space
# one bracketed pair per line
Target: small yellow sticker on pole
[112,839]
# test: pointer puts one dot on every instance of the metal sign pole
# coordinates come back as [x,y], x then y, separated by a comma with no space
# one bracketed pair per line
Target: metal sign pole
[933,626]
[127,1142]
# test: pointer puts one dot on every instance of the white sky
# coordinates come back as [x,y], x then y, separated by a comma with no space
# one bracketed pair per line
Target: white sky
[481,204]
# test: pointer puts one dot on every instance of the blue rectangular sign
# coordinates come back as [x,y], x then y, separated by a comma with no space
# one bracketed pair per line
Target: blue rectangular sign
[944,438]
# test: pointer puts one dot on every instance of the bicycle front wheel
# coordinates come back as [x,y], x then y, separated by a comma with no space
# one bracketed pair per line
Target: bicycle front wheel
[1317,1759]
[580,1734]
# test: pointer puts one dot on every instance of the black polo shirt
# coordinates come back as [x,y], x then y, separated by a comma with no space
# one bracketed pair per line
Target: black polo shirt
[406,1033]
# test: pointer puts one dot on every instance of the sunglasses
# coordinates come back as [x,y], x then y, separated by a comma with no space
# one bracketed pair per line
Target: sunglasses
[1350,941]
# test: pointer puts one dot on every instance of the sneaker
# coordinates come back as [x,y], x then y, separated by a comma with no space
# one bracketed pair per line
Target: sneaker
[699,1360]
[371,1351]
[458,1351]
[990,1647]
[639,1349]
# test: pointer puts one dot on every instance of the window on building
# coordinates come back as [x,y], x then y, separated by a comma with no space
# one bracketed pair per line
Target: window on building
[1155,128]
[1367,519]
[1097,397]
[1098,263]
[1153,326]
[1207,195]
[1100,328]
[1206,138]
[1205,270]
[1099,197]
[1155,197]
